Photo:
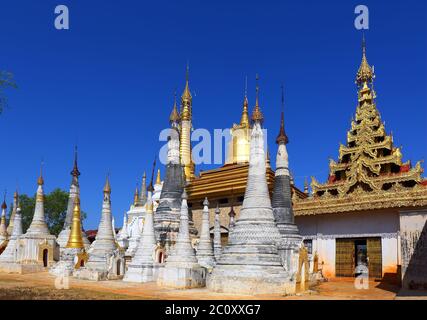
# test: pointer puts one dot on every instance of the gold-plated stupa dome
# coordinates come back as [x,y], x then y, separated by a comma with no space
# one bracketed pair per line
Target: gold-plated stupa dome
[75,240]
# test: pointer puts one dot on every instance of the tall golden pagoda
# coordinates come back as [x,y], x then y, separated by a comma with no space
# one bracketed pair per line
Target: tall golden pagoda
[185,130]
[369,169]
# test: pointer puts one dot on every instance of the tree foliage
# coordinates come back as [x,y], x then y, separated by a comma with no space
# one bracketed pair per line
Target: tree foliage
[6,81]
[55,207]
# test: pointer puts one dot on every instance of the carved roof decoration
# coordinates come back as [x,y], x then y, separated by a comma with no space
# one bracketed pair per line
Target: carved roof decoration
[369,173]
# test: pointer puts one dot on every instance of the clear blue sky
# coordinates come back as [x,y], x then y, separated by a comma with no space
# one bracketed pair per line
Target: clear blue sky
[107,83]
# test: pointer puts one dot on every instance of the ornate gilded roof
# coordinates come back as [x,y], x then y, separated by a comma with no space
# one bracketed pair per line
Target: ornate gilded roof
[369,173]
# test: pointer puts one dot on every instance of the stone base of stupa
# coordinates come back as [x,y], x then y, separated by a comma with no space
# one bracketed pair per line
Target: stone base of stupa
[182,277]
[12,267]
[85,273]
[143,273]
[62,268]
[250,280]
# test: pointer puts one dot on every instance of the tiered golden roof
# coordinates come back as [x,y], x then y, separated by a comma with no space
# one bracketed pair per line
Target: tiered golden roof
[369,173]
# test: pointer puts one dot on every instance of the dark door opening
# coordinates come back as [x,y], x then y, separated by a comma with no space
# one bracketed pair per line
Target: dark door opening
[45,257]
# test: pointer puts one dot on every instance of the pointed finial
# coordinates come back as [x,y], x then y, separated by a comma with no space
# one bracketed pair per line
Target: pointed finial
[4,206]
[244,120]
[40,180]
[107,187]
[186,94]
[75,172]
[150,187]
[136,195]
[282,137]
[158,177]
[256,114]
[174,116]
[365,73]
[206,202]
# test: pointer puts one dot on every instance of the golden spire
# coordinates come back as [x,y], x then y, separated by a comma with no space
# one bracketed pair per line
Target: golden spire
[40,180]
[186,99]
[174,116]
[365,74]
[136,196]
[75,172]
[244,121]
[282,137]
[186,94]
[257,114]
[107,187]
[75,240]
[158,178]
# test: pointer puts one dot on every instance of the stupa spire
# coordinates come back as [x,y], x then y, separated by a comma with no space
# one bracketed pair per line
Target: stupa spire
[250,262]
[158,177]
[38,224]
[3,228]
[75,240]
[205,253]
[14,208]
[217,233]
[282,137]
[142,267]
[174,117]
[181,268]
[185,130]
[136,196]
[244,120]
[257,114]
[143,191]
[365,74]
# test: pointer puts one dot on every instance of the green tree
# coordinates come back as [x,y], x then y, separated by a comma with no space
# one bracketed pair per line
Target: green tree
[55,207]
[6,80]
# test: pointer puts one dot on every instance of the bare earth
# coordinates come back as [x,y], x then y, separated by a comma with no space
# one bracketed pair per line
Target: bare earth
[42,286]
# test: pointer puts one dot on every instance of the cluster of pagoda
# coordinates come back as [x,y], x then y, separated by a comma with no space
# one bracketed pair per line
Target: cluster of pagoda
[264,252]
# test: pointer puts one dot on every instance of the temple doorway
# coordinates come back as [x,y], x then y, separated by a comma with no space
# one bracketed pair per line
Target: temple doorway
[352,255]
[45,257]
[118,266]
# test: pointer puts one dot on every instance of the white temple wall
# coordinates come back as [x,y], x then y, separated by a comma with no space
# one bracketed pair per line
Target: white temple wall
[324,229]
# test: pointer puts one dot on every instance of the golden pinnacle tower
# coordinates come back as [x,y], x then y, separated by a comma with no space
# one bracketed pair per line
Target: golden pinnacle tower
[76,240]
[185,130]
[369,169]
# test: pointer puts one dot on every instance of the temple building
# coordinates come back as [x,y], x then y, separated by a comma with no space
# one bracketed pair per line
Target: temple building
[372,210]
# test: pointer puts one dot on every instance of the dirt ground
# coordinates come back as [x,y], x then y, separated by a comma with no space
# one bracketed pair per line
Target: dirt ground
[41,286]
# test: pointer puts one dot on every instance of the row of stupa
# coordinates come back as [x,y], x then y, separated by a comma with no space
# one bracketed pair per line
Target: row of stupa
[261,256]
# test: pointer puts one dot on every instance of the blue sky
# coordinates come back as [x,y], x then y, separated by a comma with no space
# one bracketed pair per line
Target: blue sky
[107,83]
